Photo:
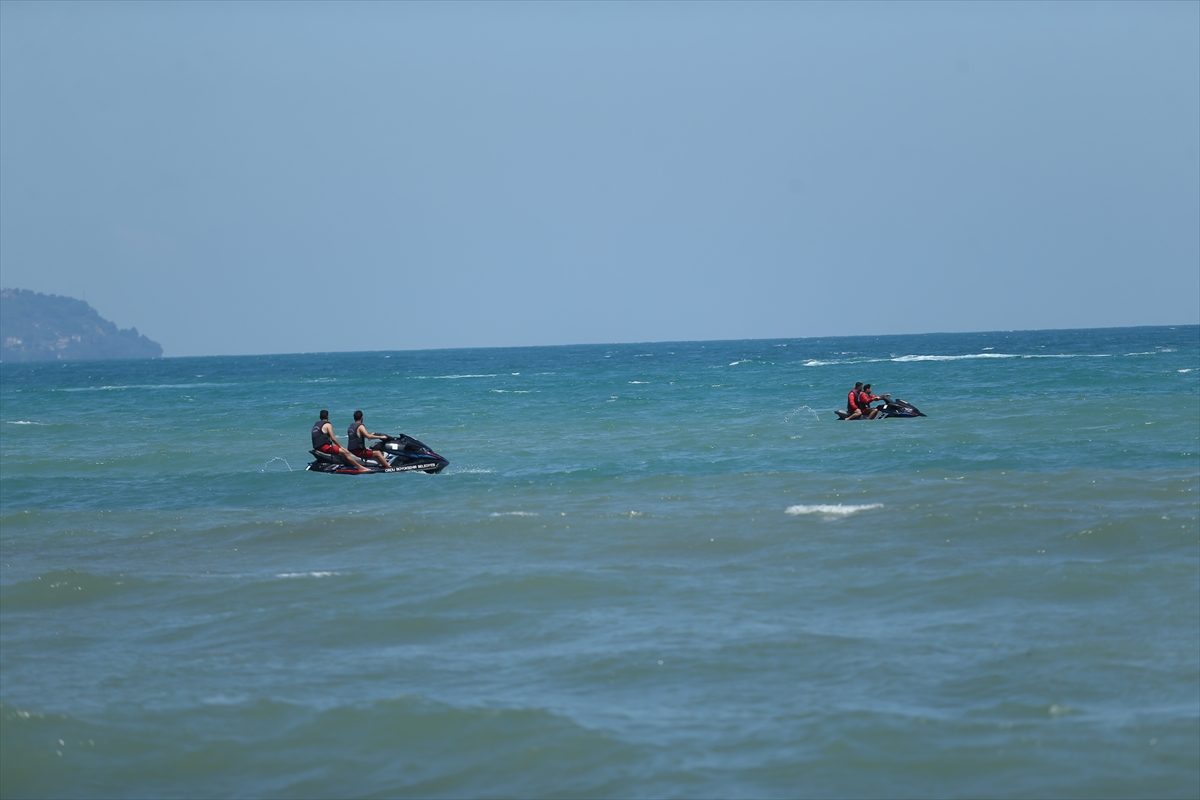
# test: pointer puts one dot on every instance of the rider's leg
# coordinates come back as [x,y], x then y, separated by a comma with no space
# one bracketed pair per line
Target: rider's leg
[351,460]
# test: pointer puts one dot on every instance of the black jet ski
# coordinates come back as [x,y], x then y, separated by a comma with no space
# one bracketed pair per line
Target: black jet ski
[403,454]
[890,408]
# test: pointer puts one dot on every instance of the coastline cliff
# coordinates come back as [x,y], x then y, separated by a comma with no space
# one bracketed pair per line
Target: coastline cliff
[50,327]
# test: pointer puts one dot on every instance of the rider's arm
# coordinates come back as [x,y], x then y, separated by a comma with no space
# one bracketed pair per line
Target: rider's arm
[332,436]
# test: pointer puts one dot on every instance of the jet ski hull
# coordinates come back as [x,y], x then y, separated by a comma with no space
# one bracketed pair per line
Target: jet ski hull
[403,454]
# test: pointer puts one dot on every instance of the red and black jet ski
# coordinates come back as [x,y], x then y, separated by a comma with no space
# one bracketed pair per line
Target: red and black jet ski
[890,408]
[403,454]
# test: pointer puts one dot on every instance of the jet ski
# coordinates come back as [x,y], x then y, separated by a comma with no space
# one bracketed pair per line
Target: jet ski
[890,408]
[403,454]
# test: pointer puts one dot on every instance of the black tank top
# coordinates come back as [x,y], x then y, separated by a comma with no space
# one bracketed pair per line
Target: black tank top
[320,438]
[354,442]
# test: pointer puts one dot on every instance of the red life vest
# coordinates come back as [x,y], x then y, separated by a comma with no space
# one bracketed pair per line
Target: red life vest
[852,401]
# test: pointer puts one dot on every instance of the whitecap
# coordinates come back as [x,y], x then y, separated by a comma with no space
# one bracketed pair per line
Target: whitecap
[27,422]
[818,363]
[835,510]
[453,377]
[306,574]
[512,514]
[1182,370]
[639,383]
[904,359]
[112,388]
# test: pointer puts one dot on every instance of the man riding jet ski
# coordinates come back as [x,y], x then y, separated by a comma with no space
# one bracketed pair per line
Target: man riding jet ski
[858,406]
[392,453]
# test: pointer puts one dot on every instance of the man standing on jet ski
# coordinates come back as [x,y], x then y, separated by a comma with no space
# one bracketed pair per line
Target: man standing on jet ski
[356,438]
[324,440]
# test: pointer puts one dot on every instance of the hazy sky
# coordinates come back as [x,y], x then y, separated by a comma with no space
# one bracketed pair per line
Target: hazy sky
[275,177]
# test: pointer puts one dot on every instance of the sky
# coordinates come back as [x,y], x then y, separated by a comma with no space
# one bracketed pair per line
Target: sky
[240,178]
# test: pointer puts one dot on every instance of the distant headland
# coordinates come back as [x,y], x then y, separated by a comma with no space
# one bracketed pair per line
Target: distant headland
[49,327]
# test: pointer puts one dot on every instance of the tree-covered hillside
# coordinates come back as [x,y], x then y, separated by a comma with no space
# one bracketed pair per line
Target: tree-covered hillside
[49,327]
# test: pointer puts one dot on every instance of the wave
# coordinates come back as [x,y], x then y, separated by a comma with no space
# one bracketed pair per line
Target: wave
[27,422]
[307,574]
[454,377]
[834,510]
[154,386]
[512,514]
[905,359]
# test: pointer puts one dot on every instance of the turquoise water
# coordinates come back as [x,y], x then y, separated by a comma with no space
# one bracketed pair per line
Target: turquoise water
[649,570]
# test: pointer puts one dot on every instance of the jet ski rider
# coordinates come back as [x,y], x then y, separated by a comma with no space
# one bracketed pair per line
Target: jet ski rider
[852,411]
[356,436]
[865,398]
[324,440]
[858,402]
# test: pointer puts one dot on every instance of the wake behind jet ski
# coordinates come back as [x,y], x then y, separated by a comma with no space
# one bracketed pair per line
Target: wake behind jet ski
[403,454]
[890,408]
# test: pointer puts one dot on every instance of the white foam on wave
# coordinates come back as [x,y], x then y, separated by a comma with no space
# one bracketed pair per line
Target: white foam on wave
[639,383]
[157,386]
[512,514]
[834,510]
[909,358]
[27,422]
[903,359]
[1182,370]
[454,377]
[307,574]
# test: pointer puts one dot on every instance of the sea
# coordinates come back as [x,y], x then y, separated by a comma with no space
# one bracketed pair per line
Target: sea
[649,570]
